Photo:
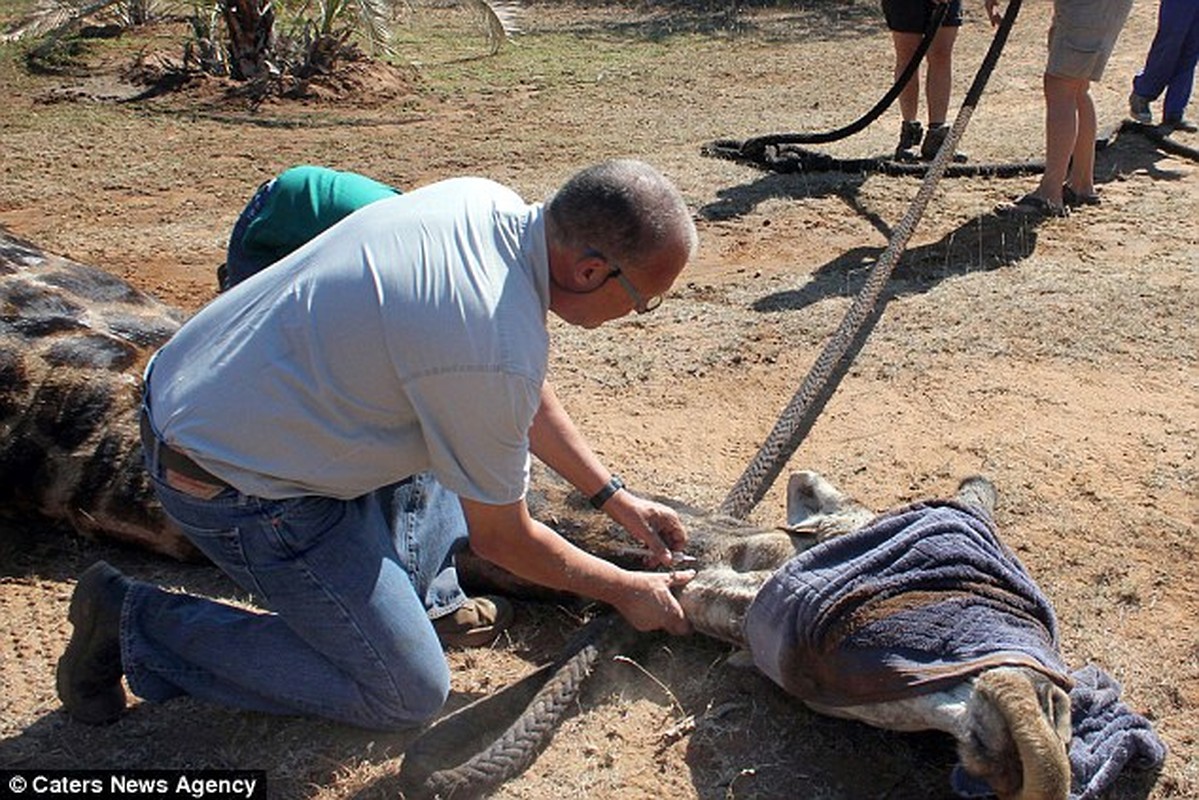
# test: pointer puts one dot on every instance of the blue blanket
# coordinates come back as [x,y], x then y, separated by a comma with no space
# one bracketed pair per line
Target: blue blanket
[919,599]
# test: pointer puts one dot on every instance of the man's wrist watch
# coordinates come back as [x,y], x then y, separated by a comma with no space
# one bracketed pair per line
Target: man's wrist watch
[614,485]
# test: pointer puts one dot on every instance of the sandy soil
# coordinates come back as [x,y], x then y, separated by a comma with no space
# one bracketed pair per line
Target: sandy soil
[1057,358]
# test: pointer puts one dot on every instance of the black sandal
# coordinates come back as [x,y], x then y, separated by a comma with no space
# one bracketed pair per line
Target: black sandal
[1032,206]
[1076,199]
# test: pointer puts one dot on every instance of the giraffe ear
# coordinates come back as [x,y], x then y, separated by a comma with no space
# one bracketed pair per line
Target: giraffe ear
[810,494]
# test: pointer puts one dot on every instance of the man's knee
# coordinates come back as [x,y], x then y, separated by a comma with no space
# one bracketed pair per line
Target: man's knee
[418,695]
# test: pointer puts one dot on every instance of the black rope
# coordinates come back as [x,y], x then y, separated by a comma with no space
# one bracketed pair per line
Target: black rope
[1158,136]
[785,158]
[752,149]
[788,158]
[779,153]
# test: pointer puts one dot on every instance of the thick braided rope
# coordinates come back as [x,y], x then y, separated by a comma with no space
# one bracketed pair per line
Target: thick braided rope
[520,743]
[512,753]
[790,158]
[766,465]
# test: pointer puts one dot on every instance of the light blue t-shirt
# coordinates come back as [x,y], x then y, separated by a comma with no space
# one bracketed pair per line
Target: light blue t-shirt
[408,337]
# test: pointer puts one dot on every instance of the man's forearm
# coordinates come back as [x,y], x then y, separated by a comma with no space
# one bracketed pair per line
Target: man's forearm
[555,440]
[506,535]
[532,551]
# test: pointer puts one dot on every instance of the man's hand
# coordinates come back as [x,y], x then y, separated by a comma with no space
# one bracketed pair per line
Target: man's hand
[992,7]
[649,605]
[506,535]
[655,525]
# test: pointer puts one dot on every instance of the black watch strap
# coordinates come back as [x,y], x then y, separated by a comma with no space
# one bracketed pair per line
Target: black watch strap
[614,485]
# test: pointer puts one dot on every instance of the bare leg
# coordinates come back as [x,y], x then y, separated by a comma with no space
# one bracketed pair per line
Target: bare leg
[1082,165]
[906,45]
[939,79]
[1062,99]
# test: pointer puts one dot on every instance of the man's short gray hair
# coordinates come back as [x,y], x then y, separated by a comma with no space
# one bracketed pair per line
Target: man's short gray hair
[623,208]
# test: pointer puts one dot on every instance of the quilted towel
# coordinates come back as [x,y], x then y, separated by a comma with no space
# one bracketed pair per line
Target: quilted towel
[919,599]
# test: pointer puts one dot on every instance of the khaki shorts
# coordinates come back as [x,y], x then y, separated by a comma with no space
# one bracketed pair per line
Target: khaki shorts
[1082,36]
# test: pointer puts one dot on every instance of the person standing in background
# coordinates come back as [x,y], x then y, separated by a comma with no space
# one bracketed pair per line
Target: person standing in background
[1169,66]
[1081,39]
[907,21]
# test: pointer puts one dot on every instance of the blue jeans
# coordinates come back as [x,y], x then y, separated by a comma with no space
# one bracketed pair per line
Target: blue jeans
[1170,65]
[351,586]
[239,264]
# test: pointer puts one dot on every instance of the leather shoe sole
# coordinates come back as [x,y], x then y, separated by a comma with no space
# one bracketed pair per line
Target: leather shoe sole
[89,673]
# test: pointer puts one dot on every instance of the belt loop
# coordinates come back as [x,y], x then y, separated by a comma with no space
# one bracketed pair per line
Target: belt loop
[162,459]
[150,441]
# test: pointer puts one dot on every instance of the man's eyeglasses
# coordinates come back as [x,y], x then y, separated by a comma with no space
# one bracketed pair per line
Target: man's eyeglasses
[641,303]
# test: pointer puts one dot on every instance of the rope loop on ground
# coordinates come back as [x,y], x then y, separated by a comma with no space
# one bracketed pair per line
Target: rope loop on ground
[755,148]
[790,158]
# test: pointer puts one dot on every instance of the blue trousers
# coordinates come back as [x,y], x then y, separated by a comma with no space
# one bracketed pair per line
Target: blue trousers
[239,264]
[351,587]
[1170,65]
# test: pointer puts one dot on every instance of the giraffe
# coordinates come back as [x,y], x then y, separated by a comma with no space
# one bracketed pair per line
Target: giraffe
[74,341]
[1010,716]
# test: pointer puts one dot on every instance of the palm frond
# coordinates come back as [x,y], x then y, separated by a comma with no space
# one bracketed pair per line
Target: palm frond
[501,18]
[374,22]
[51,16]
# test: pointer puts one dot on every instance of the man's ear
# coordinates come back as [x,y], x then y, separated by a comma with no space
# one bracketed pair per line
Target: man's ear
[590,270]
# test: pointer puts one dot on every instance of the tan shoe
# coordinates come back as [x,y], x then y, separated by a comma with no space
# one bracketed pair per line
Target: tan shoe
[477,622]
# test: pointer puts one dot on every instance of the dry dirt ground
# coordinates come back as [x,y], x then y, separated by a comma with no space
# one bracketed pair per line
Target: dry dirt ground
[1058,358]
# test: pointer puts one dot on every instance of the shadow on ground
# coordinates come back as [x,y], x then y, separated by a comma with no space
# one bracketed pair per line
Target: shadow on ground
[986,242]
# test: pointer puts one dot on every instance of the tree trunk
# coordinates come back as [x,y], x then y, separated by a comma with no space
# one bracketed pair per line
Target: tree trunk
[251,26]
[139,12]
